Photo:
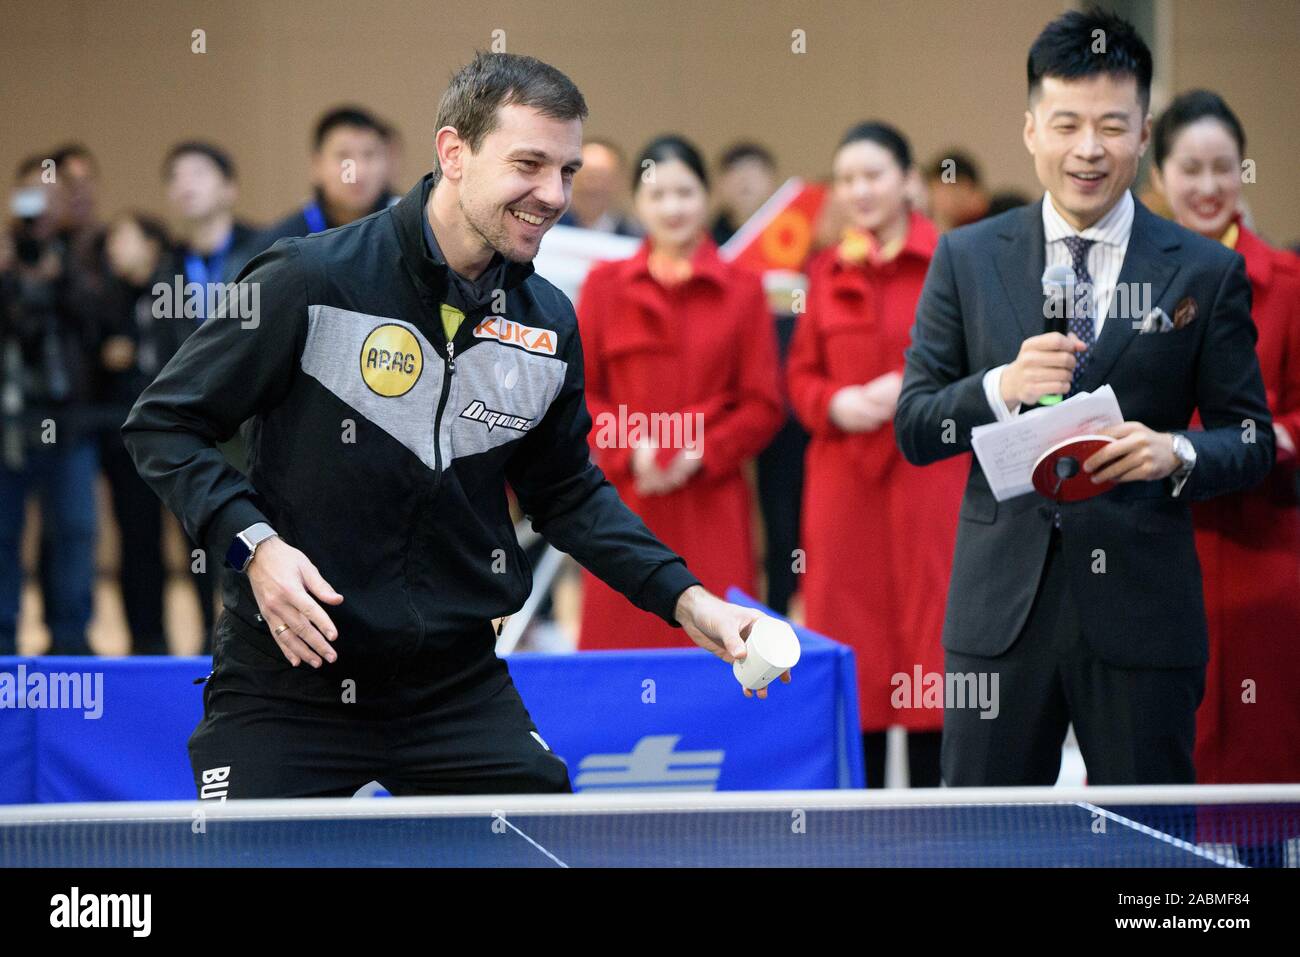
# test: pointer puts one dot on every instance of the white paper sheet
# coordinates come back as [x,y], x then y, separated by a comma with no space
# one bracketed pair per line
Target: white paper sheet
[1007,450]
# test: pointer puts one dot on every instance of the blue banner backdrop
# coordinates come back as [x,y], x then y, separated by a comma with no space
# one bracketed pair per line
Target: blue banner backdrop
[115,729]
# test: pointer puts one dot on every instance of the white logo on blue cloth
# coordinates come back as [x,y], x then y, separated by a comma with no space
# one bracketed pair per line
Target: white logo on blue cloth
[652,765]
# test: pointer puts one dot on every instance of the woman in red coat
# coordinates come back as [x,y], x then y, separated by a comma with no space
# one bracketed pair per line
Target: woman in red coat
[878,532]
[1248,725]
[683,386]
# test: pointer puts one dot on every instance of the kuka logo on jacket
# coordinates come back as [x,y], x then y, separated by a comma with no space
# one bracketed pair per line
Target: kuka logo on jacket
[516,334]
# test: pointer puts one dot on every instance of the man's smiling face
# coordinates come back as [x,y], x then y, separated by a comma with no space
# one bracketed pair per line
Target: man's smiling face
[1086,137]
[519,182]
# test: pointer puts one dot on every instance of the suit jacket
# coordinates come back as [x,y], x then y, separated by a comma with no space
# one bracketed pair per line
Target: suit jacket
[1130,552]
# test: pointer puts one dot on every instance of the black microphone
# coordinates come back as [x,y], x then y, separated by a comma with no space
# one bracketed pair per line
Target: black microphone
[1057,280]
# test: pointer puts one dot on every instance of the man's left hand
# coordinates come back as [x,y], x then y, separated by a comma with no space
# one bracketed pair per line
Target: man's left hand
[1138,454]
[718,626]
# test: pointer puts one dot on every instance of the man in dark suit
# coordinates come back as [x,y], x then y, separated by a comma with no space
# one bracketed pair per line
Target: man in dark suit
[1089,612]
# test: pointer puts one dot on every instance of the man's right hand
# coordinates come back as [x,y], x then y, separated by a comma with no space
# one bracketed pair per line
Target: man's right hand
[1045,366]
[284,582]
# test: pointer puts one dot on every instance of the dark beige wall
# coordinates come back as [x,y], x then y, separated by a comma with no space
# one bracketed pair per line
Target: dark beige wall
[121,77]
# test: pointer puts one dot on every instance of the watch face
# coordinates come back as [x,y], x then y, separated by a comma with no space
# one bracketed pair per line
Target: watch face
[237,556]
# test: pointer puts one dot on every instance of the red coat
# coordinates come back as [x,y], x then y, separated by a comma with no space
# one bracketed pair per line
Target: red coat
[707,345]
[878,533]
[1249,547]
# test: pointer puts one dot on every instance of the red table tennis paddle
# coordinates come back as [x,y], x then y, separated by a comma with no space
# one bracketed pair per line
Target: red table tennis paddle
[1059,475]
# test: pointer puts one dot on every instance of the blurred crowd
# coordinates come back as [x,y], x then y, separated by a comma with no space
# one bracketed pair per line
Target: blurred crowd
[83,331]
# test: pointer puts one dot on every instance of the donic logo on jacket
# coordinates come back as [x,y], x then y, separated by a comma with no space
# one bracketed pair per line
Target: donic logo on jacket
[476,411]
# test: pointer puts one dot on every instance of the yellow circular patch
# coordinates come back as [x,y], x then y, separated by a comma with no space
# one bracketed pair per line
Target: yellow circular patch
[391,360]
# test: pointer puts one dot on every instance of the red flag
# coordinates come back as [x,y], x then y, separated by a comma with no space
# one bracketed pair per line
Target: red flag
[780,235]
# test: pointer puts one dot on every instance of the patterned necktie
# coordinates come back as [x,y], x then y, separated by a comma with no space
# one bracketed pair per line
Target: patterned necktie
[1081,315]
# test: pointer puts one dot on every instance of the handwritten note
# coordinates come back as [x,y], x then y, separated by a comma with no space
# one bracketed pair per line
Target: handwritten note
[1007,450]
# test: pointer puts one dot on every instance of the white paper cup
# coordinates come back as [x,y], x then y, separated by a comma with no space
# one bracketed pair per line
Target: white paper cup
[771,649]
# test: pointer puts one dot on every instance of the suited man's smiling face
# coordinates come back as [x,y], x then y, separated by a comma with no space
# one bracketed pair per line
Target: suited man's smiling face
[1086,136]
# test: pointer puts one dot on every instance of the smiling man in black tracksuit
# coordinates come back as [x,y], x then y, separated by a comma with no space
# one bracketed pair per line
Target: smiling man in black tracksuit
[399,371]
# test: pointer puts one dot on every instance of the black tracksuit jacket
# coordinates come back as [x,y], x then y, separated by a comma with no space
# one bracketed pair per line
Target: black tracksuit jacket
[382,450]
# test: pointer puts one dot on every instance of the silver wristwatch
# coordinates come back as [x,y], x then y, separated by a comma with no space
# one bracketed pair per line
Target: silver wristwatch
[245,545]
[1186,453]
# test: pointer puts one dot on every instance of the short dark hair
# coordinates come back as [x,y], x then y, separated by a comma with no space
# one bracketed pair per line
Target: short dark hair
[493,80]
[355,116]
[740,152]
[215,153]
[884,135]
[1065,50]
[668,147]
[1186,109]
[74,151]
[963,166]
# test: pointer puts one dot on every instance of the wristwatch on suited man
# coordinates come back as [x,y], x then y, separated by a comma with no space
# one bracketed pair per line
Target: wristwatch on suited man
[245,544]
[1186,453]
